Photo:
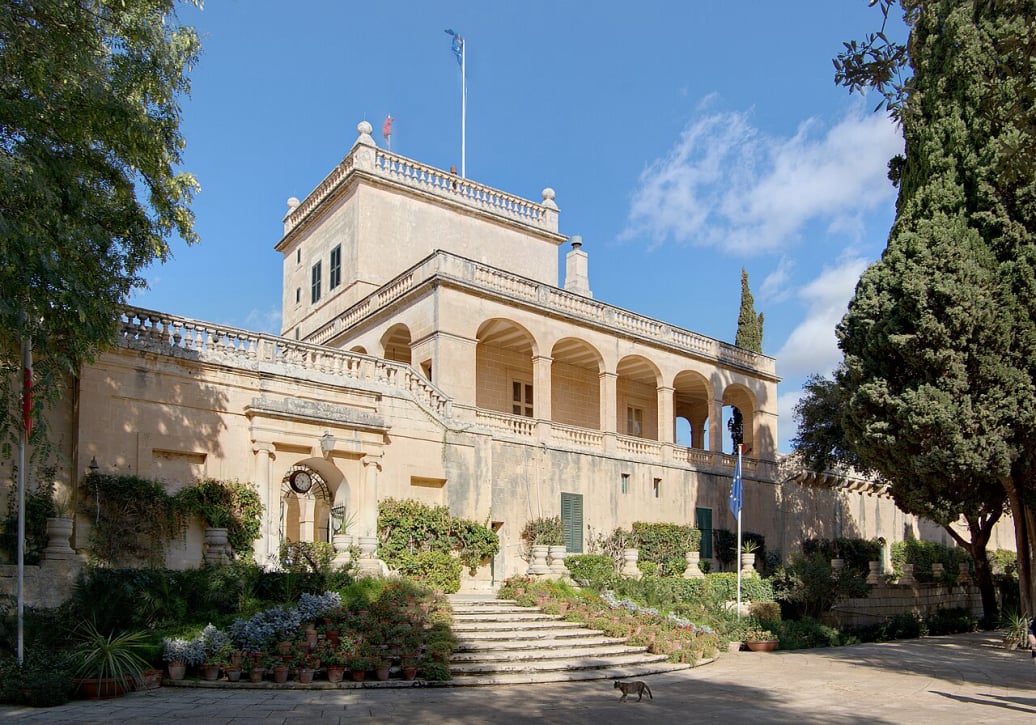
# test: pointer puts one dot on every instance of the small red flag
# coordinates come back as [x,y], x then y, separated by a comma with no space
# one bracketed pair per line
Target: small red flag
[386,128]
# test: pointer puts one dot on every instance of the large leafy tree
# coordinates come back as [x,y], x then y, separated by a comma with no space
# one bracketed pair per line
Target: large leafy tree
[940,340]
[90,189]
[940,496]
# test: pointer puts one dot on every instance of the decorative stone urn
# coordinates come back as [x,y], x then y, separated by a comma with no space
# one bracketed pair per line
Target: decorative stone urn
[557,556]
[693,569]
[748,564]
[874,572]
[342,544]
[538,560]
[963,573]
[217,547]
[369,563]
[938,570]
[837,565]
[908,575]
[629,563]
[59,531]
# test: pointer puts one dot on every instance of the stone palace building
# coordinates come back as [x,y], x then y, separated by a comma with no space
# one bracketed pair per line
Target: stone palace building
[431,351]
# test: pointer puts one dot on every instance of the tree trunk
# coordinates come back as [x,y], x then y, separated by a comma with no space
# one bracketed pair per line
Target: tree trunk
[980,529]
[1023,539]
[986,587]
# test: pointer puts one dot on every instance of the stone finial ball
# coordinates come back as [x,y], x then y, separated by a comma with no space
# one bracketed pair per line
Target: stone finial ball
[292,203]
[548,194]
[364,128]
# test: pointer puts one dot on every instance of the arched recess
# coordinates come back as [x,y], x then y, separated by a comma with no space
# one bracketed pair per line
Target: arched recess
[396,344]
[691,405]
[740,397]
[306,515]
[358,348]
[636,397]
[503,368]
[575,383]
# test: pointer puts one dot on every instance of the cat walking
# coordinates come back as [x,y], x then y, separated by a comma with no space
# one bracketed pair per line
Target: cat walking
[637,688]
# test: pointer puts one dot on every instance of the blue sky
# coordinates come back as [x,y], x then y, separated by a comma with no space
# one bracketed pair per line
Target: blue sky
[684,140]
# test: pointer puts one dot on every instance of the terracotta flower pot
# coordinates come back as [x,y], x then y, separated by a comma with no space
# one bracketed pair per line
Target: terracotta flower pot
[256,674]
[177,670]
[210,672]
[305,675]
[335,674]
[233,674]
[409,673]
[382,672]
[104,689]
[761,645]
[280,673]
[359,675]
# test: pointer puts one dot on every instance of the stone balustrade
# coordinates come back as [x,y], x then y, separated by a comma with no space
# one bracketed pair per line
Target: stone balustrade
[161,333]
[446,266]
[366,158]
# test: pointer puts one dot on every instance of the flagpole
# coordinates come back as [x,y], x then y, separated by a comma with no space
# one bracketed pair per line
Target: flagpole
[463,106]
[737,555]
[23,444]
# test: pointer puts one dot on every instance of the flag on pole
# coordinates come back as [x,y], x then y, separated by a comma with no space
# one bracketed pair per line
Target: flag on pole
[735,490]
[457,46]
[386,128]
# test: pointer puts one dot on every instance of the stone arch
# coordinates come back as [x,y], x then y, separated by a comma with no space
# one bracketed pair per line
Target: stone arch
[503,367]
[691,404]
[740,397]
[306,516]
[358,348]
[575,383]
[636,397]
[396,343]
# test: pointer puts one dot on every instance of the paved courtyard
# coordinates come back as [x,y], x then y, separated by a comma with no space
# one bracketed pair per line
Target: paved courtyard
[961,678]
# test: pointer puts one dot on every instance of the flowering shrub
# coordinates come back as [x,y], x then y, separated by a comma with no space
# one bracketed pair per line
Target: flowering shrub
[190,652]
[312,607]
[256,633]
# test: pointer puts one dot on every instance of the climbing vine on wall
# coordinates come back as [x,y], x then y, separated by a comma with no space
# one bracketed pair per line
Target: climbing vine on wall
[407,528]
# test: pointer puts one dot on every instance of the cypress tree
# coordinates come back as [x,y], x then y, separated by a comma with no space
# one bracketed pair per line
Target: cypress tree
[749,325]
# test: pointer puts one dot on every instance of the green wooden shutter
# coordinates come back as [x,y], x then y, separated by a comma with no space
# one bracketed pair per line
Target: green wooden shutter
[703,520]
[572,521]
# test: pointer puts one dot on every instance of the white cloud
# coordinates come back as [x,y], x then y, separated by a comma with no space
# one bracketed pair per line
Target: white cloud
[725,184]
[786,403]
[268,320]
[774,288]
[812,347]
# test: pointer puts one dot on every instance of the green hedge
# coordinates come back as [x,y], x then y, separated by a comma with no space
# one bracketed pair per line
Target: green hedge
[922,554]
[666,545]
[594,571]
[856,552]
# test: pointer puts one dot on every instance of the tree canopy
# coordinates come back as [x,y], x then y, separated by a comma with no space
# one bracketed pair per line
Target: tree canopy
[90,189]
[749,325]
[939,375]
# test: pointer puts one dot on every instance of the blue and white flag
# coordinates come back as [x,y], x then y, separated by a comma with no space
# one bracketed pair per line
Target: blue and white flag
[457,46]
[735,491]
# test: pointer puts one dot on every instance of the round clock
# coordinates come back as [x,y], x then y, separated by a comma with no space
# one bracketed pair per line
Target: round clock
[300,482]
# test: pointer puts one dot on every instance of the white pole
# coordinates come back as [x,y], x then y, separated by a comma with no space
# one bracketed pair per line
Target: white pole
[463,106]
[737,555]
[23,443]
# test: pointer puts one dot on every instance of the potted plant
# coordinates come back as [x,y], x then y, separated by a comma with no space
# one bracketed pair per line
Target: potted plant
[748,549]
[358,663]
[761,640]
[179,654]
[334,656]
[104,665]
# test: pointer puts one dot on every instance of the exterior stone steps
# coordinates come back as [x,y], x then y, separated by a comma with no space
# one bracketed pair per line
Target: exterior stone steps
[500,643]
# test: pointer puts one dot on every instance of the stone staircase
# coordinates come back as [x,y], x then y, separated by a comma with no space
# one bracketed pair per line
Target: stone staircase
[500,643]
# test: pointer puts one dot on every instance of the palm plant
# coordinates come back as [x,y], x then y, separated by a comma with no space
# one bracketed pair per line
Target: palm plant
[115,656]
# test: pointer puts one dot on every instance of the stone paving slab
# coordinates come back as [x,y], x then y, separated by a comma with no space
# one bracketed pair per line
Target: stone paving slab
[960,678]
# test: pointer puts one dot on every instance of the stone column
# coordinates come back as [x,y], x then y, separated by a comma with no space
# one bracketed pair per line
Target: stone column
[716,425]
[269,540]
[609,386]
[666,420]
[541,387]
[368,562]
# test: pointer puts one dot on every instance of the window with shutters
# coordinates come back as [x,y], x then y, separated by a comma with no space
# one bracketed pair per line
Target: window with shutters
[314,291]
[572,521]
[521,398]
[335,278]
[703,520]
